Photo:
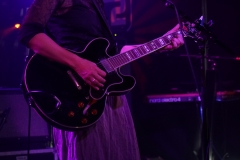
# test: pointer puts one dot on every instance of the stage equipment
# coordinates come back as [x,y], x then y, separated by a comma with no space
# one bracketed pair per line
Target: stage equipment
[171,111]
[14,123]
[207,90]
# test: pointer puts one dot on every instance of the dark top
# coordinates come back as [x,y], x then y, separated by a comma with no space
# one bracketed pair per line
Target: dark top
[62,21]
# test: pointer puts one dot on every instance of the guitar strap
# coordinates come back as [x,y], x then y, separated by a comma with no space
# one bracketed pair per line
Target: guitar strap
[98,4]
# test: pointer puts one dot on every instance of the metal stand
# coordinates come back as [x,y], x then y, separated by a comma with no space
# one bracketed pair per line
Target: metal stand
[208,89]
[202,34]
[3,117]
[208,98]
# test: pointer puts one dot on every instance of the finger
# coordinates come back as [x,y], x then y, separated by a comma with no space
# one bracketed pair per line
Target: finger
[97,81]
[93,84]
[174,29]
[100,79]
[168,47]
[101,72]
[176,42]
[95,87]
[179,37]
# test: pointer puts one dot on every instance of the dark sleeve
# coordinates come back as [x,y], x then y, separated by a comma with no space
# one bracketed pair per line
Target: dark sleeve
[36,19]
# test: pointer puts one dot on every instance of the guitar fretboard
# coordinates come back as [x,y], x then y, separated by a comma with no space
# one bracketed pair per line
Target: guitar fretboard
[140,51]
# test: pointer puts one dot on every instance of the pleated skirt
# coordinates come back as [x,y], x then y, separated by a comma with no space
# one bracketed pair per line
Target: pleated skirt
[113,137]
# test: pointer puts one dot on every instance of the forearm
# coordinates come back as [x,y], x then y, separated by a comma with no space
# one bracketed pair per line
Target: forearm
[45,46]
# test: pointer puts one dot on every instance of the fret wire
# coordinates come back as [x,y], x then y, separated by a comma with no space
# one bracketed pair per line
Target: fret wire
[170,36]
[150,46]
[153,45]
[124,58]
[121,59]
[157,43]
[130,55]
[133,54]
[129,58]
[146,48]
[136,52]
[162,41]
[166,40]
[140,51]
[117,60]
[113,61]
[143,50]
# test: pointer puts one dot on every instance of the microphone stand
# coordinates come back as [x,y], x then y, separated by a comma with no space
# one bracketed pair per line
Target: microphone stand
[208,89]
[208,98]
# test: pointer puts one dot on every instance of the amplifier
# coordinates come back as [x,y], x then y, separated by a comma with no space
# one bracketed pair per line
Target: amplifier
[40,154]
[173,119]
[14,118]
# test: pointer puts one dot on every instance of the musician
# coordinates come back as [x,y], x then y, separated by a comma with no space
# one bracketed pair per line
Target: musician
[51,26]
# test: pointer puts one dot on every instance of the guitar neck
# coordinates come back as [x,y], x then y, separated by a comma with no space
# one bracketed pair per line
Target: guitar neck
[122,59]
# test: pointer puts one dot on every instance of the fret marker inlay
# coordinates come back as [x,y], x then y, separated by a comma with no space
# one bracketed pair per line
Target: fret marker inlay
[153,45]
[169,37]
[129,57]
[137,53]
[161,41]
[146,48]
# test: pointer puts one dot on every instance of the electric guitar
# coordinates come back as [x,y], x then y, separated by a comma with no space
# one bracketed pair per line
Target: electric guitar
[64,100]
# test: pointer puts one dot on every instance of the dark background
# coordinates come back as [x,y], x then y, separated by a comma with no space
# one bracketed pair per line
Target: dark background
[165,73]
[173,130]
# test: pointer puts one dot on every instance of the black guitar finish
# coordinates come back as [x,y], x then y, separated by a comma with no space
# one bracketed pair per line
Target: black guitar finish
[61,97]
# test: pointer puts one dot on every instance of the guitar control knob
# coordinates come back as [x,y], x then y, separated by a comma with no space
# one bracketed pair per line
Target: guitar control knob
[71,114]
[94,112]
[80,105]
[84,120]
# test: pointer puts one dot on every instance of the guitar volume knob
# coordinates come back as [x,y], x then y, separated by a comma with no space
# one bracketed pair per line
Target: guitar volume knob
[84,120]
[71,114]
[94,112]
[80,105]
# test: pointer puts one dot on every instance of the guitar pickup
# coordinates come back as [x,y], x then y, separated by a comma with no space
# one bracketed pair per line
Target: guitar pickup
[79,87]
